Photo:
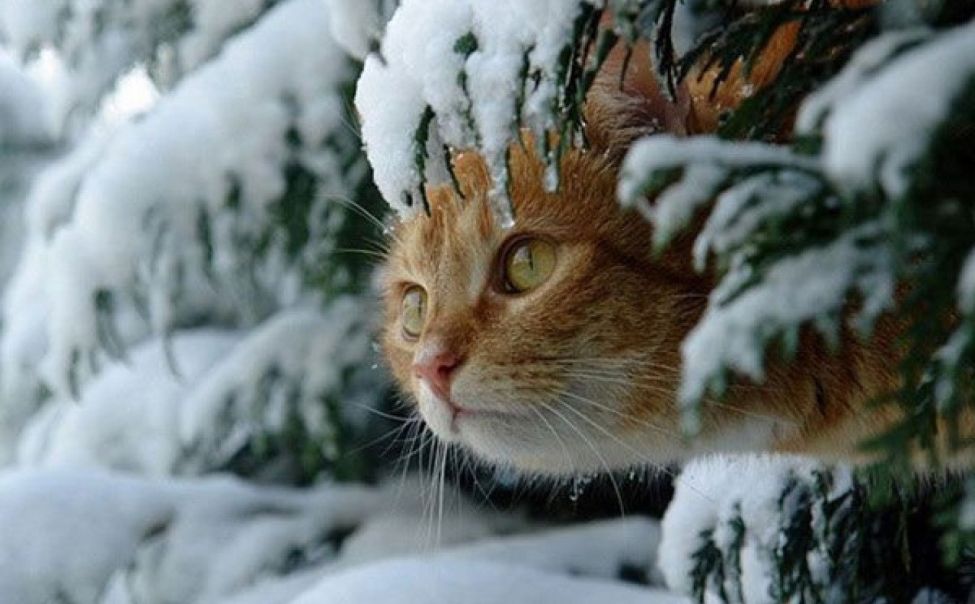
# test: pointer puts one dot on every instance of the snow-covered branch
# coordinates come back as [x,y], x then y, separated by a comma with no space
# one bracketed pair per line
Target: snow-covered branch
[101,41]
[255,134]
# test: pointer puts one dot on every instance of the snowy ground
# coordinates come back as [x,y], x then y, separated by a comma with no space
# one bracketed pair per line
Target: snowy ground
[110,537]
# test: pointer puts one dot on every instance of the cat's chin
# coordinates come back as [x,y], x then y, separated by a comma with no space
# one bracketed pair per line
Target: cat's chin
[509,439]
[526,443]
[487,430]
[538,454]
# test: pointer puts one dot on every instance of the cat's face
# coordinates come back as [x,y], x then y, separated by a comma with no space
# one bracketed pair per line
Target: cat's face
[553,345]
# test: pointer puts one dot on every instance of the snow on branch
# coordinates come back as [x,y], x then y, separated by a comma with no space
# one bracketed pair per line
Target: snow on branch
[89,534]
[26,306]
[116,537]
[474,582]
[358,26]
[22,122]
[468,74]
[764,529]
[878,123]
[760,530]
[185,213]
[796,232]
[101,41]
[570,564]
[239,395]
[754,188]
[656,164]
[749,309]
[279,386]
[128,416]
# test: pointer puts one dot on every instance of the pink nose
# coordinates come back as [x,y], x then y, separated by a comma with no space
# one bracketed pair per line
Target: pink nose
[437,370]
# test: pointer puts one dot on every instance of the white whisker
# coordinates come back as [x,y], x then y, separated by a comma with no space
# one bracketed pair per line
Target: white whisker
[599,457]
[629,418]
[639,455]
[558,439]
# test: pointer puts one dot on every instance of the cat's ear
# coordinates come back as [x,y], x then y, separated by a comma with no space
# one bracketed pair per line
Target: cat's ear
[627,101]
[711,99]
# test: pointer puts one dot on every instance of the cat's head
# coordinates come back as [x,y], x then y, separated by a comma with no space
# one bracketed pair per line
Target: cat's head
[553,345]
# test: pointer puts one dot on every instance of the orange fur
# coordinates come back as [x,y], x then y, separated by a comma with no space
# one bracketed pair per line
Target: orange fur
[581,373]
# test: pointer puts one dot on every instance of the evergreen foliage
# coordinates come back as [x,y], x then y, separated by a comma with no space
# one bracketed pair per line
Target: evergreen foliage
[834,542]
[903,247]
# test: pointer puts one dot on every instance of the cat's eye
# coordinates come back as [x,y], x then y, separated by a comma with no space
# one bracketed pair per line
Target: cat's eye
[527,264]
[413,312]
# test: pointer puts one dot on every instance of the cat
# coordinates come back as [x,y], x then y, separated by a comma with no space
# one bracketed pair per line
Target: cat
[553,346]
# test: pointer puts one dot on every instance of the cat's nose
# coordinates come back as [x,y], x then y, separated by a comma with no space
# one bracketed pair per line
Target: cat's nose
[437,369]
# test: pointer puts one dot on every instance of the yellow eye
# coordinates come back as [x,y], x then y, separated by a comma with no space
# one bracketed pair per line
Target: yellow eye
[414,311]
[528,264]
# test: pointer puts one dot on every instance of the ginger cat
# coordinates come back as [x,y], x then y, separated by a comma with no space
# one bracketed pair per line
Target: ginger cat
[554,346]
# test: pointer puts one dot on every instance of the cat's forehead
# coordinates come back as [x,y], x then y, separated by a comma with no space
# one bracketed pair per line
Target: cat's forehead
[455,246]
[451,249]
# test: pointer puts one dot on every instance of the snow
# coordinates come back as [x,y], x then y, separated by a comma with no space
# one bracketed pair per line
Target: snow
[103,41]
[878,130]
[133,227]
[448,581]
[706,163]
[49,515]
[741,209]
[747,309]
[715,490]
[23,340]
[213,22]
[14,175]
[221,543]
[25,22]
[283,369]
[595,549]
[676,205]
[142,416]
[74,530]
[543,566]
[422,58]
[358,26]
[22,118]
[134,94]
[128,417]
[808,286]
[865,63]
[118,538]
[26,143]
[950,356]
